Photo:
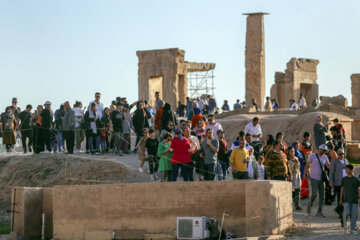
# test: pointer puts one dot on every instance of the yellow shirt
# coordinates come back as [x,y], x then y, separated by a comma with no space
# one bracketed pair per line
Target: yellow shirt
[238,155]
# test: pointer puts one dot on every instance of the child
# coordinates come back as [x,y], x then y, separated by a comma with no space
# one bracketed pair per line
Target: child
[141,147]
[165,158]
[349,195]
[294,166]
[262,173]
[53,139]
[151,148]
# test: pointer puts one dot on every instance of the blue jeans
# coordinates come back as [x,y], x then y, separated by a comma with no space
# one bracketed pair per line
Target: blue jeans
[209,172]
[93,138]
[60,140]
[224,168]
[103,145]
[351,210]
[175,172]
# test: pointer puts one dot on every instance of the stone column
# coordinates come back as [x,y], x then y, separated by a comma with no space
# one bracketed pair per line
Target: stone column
[355,90]
[255,59]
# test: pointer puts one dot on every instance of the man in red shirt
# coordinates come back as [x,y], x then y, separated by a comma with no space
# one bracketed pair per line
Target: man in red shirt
[339,126]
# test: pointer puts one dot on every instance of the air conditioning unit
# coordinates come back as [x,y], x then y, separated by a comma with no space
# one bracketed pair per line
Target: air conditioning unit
[193,228]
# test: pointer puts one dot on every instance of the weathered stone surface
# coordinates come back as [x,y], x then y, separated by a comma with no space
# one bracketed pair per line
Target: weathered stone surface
[339,100]
[165,70]
[255,59]
[300,77]
[132,210]
[355,90]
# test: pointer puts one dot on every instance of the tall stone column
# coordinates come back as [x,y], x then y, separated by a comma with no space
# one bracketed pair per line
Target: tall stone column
[355,90]
[255,59]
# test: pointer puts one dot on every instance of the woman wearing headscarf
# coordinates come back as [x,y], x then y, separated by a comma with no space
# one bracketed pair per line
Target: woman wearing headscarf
[197,116]
[180,147]
[168,116]
[38,135]
[8,122]
[269,146]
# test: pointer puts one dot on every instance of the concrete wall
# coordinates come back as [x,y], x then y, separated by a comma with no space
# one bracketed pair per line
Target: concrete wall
[28,205]
[132,210]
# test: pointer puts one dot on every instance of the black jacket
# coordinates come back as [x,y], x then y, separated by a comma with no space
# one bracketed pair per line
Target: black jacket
[140,121]
[167,116]
[46,118]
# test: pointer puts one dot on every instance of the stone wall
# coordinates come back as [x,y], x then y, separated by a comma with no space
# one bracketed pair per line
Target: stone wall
[300,77]
[133,211]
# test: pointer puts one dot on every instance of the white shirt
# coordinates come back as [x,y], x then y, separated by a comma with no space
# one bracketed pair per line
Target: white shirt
[261,172]
[194,143]
[79,114]
[100,108]
[294,106]
[215,127]
[250,168]
[344,171]
[253,130]
[302,102]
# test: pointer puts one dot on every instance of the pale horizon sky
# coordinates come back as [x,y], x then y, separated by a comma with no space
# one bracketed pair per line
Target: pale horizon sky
[67,50]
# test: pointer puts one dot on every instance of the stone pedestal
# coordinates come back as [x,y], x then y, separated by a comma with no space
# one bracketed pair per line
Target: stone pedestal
[355,90]
[255,59]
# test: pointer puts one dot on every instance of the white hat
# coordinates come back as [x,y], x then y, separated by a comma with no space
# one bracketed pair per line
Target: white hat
[47,103]
[323,147]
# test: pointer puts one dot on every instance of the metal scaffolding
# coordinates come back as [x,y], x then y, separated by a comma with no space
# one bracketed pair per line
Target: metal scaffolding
[200,82]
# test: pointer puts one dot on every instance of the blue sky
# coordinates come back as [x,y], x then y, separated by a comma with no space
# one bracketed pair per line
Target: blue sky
[67,50]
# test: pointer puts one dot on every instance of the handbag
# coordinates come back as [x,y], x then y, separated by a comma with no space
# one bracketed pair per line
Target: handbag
[324,175]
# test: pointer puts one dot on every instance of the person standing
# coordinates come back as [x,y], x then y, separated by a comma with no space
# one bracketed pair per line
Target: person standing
[254,129]
[189,104]
[92,121]
[212,124]
[165,157]
[8,123]
[38,135]
[277,164]
[302,102]
[168,116]
[294,165]
[47,119]
[223,153]
[349,196]
[225,107]
[116,121]
[194,146]
[268,105]
[157,100]
[320,130]
[59,116]
[158,116]
[337,173]
[239,159]
[99,105]
[127,126]
[180,147]
[68,126]
[210,146]
[140,121]
[79,119]
[211,104]
[151,149]
[26,128]
[317,162]
[237,105]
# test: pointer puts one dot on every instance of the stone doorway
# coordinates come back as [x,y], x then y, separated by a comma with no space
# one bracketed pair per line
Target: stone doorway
[155,85]
[307,91]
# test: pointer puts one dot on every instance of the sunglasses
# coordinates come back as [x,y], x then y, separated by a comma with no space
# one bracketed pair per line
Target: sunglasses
[341,154]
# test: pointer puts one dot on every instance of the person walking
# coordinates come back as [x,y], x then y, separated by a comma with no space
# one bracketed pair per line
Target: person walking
[337,173]
[294,165]
[140,121]
[26,129]
[317,162]
[349,197]
[68,126]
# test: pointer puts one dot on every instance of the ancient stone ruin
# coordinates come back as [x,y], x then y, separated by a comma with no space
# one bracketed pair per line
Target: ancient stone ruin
[355,90]
[300,77]
[165,70]
[255,59]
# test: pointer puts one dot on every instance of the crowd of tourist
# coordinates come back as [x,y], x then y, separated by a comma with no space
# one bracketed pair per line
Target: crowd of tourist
[191,141]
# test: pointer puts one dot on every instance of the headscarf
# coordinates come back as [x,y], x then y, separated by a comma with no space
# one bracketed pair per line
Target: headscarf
[197,110]
[178,133]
